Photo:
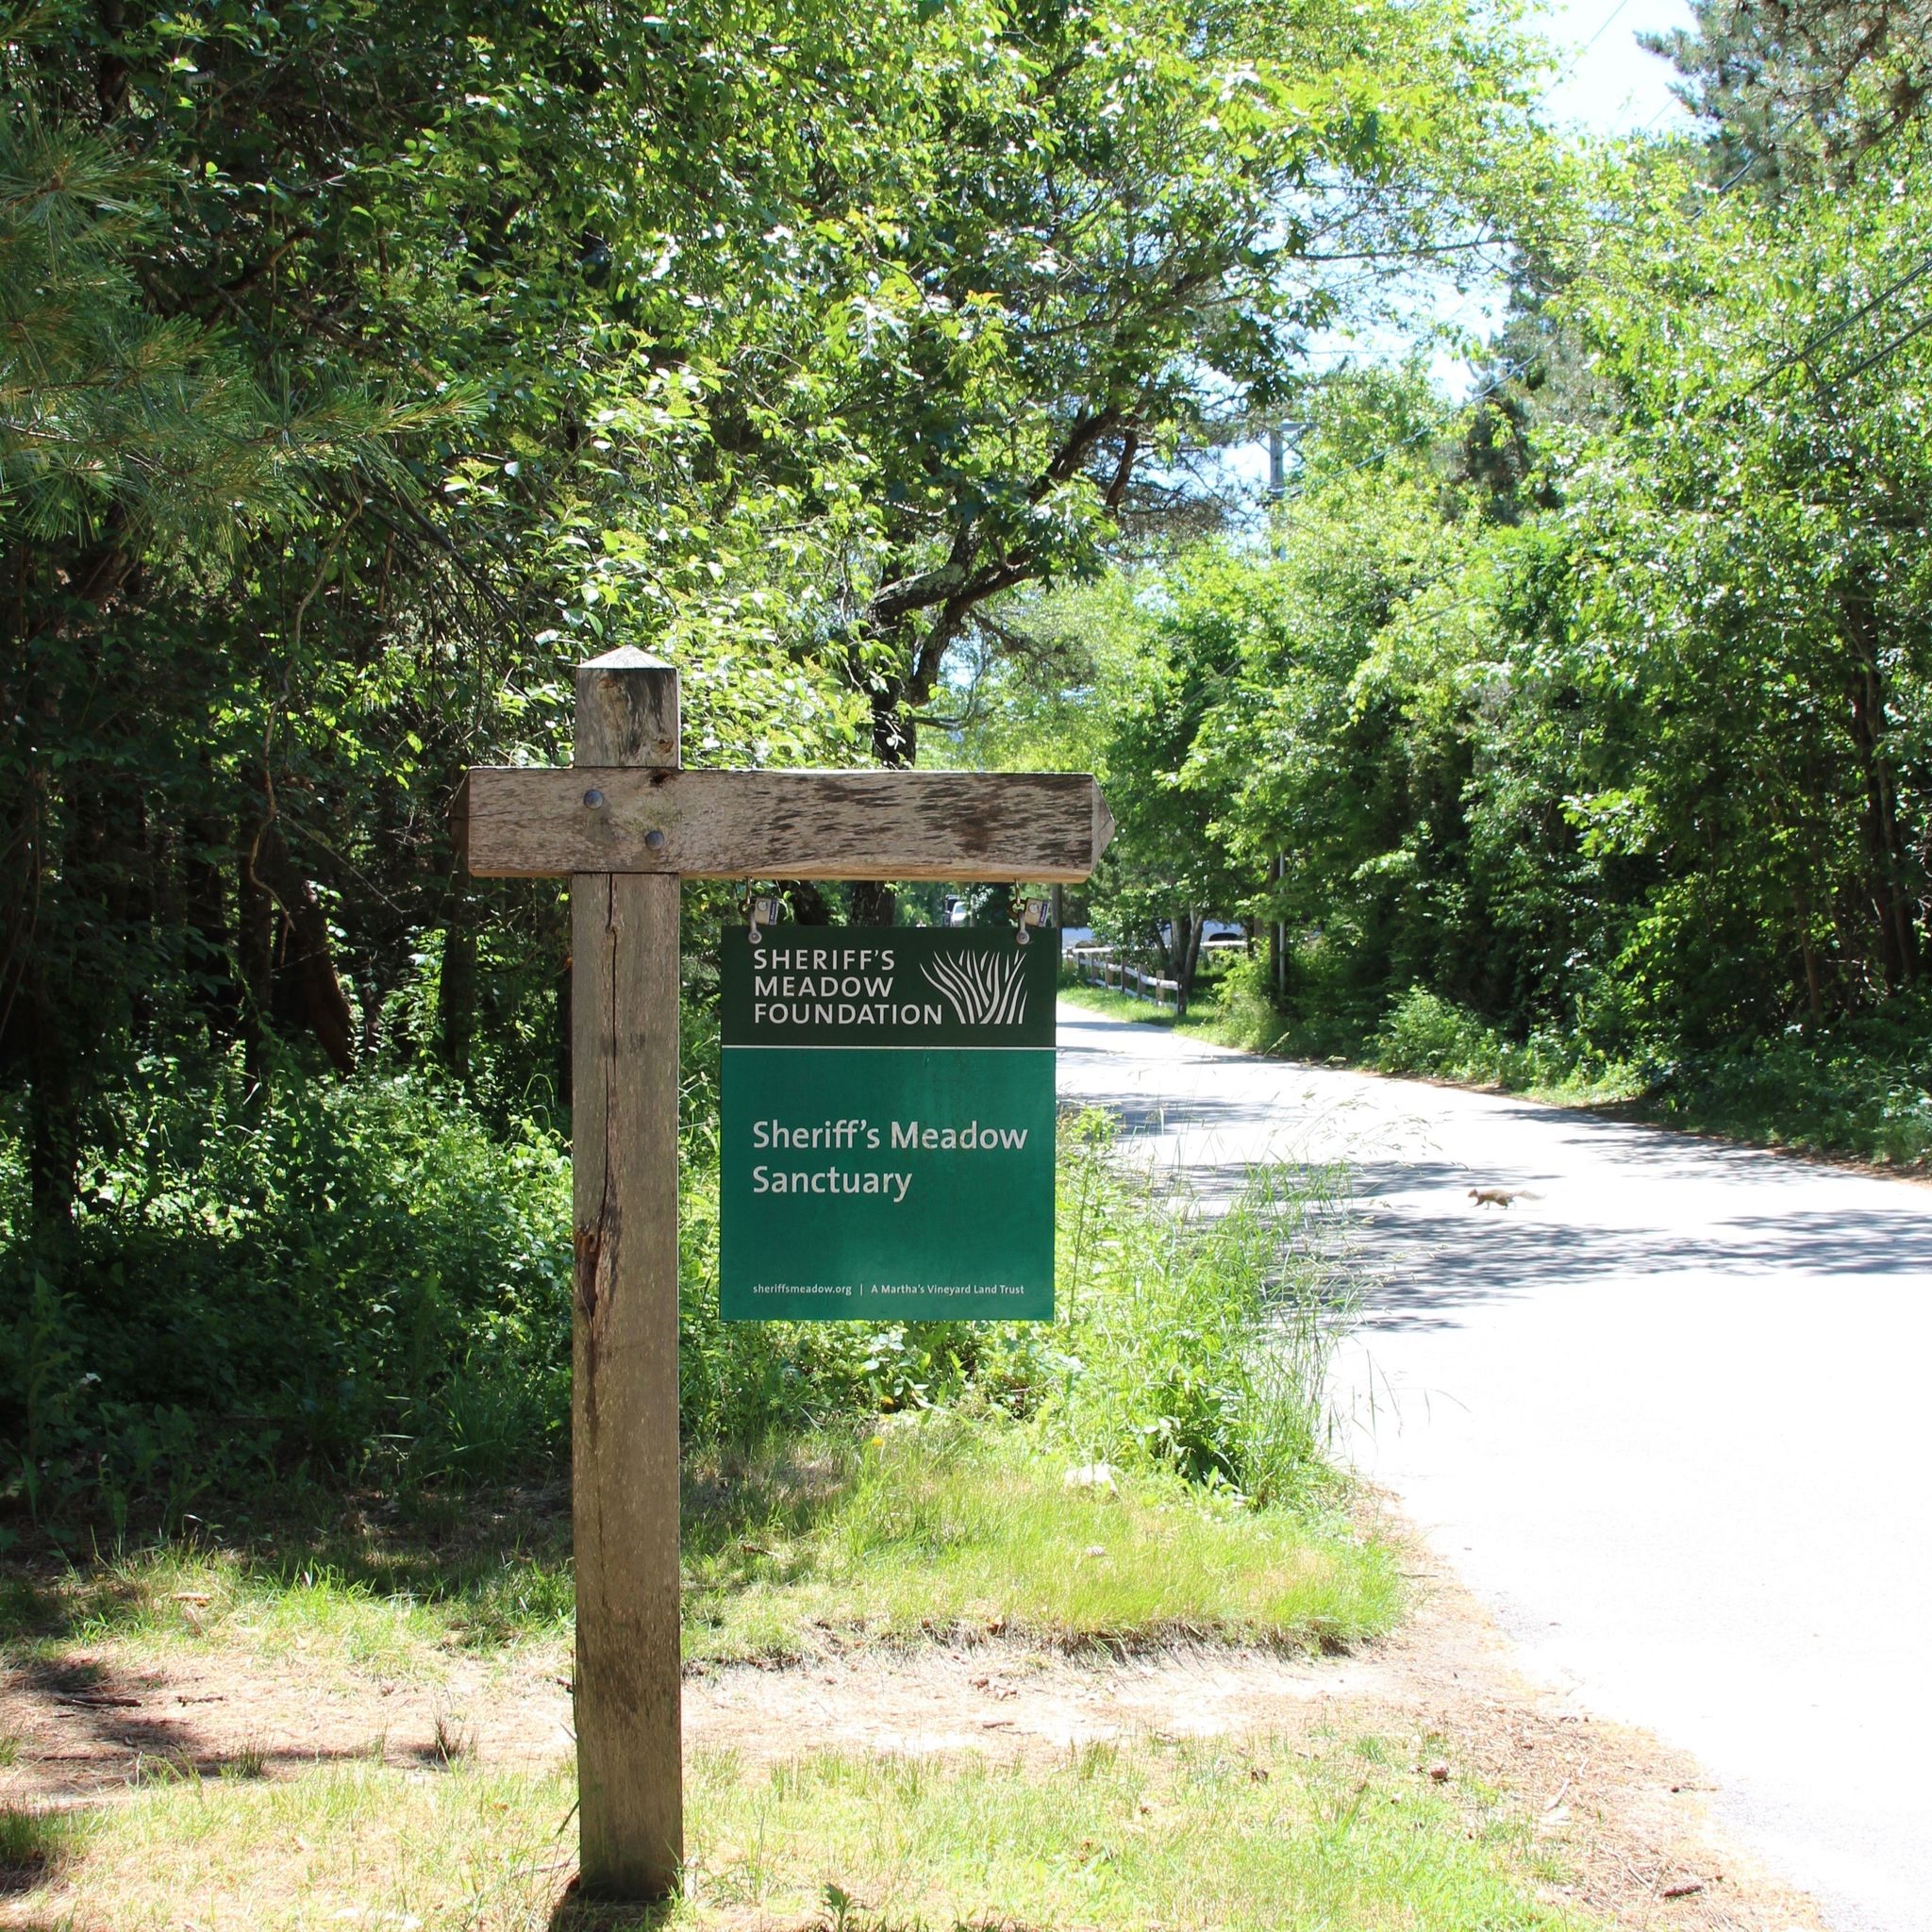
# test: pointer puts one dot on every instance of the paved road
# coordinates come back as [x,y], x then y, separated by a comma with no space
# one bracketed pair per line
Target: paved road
[1669,1420]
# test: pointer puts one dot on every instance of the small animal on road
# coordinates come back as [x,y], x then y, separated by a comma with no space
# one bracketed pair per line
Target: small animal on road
[1501,1198]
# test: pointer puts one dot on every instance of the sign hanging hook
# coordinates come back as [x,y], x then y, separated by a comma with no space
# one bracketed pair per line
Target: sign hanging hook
[761,910]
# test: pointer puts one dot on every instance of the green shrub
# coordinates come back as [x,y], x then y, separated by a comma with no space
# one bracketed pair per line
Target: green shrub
[362,1280]
[310,1281]
[1423,1033]
[1862,1087]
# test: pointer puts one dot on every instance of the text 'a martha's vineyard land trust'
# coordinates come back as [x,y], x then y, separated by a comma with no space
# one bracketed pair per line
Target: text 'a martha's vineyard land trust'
[888,1126]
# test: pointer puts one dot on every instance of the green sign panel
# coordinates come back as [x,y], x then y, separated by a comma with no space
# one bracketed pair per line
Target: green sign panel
[888,1125]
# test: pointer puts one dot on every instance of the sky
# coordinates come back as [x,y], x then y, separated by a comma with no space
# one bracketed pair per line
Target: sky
[1608,83]
[1604,82]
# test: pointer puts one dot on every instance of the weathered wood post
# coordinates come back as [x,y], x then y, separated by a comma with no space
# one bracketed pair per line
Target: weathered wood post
[624,1353]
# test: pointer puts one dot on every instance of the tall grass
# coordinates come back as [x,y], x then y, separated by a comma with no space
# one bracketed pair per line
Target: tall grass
[1151,1464]
[1184,1339]
[1197,1338]
[852,1480]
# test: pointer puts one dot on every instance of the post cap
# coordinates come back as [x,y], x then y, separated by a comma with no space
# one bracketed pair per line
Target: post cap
[625,658]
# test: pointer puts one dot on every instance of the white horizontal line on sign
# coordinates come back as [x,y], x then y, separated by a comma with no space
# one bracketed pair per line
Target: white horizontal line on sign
[802,1046]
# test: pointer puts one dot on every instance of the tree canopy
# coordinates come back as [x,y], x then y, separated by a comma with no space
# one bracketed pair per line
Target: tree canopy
[362,368]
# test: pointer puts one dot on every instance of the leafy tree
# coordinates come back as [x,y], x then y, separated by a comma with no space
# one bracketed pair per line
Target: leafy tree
[369,363]
[1754,584]
[1611,713]
[1802,87]
[1167,870]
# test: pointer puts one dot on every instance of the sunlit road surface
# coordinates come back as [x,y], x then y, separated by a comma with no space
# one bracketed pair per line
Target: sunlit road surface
[1670,1419]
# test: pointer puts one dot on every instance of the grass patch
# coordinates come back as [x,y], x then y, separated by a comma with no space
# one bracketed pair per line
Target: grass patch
[377,1592]
[941,1524]
[1227,1010]
[36,1845]
[1203,1016]
[1110,1836]
[944,1528]
[846,1484]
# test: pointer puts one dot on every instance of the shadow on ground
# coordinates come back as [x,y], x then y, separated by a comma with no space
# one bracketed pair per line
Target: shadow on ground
[92,1691]
[1427,1254]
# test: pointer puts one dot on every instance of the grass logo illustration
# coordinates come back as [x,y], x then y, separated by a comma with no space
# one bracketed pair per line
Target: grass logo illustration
[982,989]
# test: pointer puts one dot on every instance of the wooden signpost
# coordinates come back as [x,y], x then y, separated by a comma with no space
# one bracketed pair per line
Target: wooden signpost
[626,823]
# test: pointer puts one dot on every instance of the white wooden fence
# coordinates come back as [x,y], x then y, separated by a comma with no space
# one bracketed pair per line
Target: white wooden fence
[1099,966]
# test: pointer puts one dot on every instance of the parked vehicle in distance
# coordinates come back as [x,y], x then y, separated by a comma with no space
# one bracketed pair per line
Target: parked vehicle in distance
[1214,932]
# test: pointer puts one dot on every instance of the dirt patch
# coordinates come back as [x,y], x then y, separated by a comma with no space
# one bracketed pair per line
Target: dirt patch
[1627,1816]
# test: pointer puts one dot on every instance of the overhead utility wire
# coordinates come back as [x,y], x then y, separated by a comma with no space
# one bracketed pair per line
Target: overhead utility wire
[1513,370]
[1576,60]
[1878,355]
[1804,351]
[1568,68]
[1922,327]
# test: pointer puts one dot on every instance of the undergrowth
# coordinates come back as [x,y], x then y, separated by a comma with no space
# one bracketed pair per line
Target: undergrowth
[1859,1087]
[368,1285]
[264,1289]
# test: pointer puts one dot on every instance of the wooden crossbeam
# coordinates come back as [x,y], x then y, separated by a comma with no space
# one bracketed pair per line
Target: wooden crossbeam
[527,822]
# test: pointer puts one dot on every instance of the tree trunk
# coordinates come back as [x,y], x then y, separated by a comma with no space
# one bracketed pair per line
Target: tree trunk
[455,986]
[1886,868]
[254,929]
[809,904]
[68,1001]
[895,746]
[54,1063]
[1187,959]
[306,965]
[1278,936]
[211,964]
[1814,990]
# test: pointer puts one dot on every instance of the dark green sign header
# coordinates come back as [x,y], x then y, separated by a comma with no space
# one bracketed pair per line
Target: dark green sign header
[888,1125]
[852,986]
